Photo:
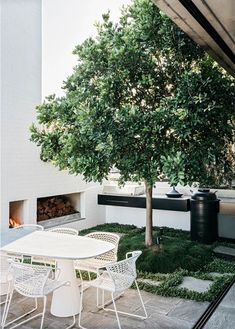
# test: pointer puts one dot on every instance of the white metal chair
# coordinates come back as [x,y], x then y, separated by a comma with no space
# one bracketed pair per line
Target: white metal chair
[4,273]
[64,230]
[117,278]
[95,264]
[32,281]
[33,227]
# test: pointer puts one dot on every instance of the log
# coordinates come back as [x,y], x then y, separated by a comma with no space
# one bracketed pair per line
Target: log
[52,207]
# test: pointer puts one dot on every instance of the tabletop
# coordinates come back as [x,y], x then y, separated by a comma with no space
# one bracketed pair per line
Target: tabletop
[57,245]
[10,235]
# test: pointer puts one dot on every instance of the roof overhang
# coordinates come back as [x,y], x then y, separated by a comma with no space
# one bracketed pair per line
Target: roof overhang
[210,23]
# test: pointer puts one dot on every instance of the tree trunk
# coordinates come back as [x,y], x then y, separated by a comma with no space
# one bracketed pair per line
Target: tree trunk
[149,216]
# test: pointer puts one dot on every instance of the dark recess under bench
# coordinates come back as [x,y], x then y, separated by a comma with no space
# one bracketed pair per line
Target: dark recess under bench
[163,203]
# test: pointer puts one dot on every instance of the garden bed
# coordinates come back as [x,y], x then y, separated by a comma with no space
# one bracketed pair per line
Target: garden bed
[162,269]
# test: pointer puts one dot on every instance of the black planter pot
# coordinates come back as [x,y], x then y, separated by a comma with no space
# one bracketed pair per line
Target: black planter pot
[174,194]
[204,206]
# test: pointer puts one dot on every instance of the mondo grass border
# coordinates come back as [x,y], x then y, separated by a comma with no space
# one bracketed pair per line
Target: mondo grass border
[169,283]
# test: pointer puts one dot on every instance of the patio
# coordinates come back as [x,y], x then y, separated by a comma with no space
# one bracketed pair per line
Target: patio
[163,313]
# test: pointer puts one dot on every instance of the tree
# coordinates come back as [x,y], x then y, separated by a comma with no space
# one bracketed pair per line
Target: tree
[122,105]
[202,115]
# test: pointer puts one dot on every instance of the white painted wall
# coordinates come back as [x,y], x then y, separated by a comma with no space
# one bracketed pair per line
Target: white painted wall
[20,92]
[136,216]
[66,24]
[26,44]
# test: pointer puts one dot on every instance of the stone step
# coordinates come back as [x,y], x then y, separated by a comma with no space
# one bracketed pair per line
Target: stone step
[195,284]
[225,252]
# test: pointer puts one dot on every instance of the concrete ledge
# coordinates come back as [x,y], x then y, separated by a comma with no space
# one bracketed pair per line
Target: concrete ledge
[49,223]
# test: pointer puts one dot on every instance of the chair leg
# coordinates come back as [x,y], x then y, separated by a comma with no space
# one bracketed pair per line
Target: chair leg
[109,301]
[141,299]
[130,314]
[82,283]
[22,316]
[6,310]
[80,310]
[43,311]
[80,274]
[6,307]
[115,309]
[97,297]
[103,299]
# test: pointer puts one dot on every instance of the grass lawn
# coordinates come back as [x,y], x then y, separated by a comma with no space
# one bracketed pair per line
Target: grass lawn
[161,270]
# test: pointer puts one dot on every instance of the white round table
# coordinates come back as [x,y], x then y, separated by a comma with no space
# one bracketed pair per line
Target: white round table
[64,248]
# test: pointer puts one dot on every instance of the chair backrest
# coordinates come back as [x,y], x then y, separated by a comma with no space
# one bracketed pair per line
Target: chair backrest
[33,227]
[29,280]
[64,230]
[110,256]
[123,273]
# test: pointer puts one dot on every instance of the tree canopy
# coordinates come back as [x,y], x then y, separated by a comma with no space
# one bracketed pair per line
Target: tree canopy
[145,99]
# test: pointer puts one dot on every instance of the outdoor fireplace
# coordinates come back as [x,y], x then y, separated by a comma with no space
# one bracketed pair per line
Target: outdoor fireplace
[16,213]
[58,208]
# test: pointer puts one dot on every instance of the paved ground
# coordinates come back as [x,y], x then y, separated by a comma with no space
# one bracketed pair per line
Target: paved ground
[224,315]
[163,313]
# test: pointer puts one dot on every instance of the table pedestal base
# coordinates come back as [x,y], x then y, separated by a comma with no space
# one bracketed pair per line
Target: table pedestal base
[66,300]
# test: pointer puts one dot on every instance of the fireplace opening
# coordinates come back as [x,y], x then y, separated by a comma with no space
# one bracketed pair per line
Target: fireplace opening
[58,206]
[16,212]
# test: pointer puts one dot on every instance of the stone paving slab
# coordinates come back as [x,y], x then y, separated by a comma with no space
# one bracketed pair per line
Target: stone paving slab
[188,310]
[161,314]
[158,321]
[223,318]
[194,284]
[160,304]
[224,315]
[225,251]
[229,299]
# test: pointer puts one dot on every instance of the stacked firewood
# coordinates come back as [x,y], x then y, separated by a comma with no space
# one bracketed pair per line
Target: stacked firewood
[54,207]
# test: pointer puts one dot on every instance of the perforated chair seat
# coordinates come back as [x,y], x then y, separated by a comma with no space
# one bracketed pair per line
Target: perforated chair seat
[91,265]
[64,230]
[105,282]
[50,286]
[99,262]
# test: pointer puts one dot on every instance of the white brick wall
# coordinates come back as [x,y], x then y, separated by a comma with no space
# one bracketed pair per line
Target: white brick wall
[23,175]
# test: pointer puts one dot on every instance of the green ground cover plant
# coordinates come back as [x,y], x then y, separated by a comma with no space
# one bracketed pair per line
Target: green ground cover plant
[161,269]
